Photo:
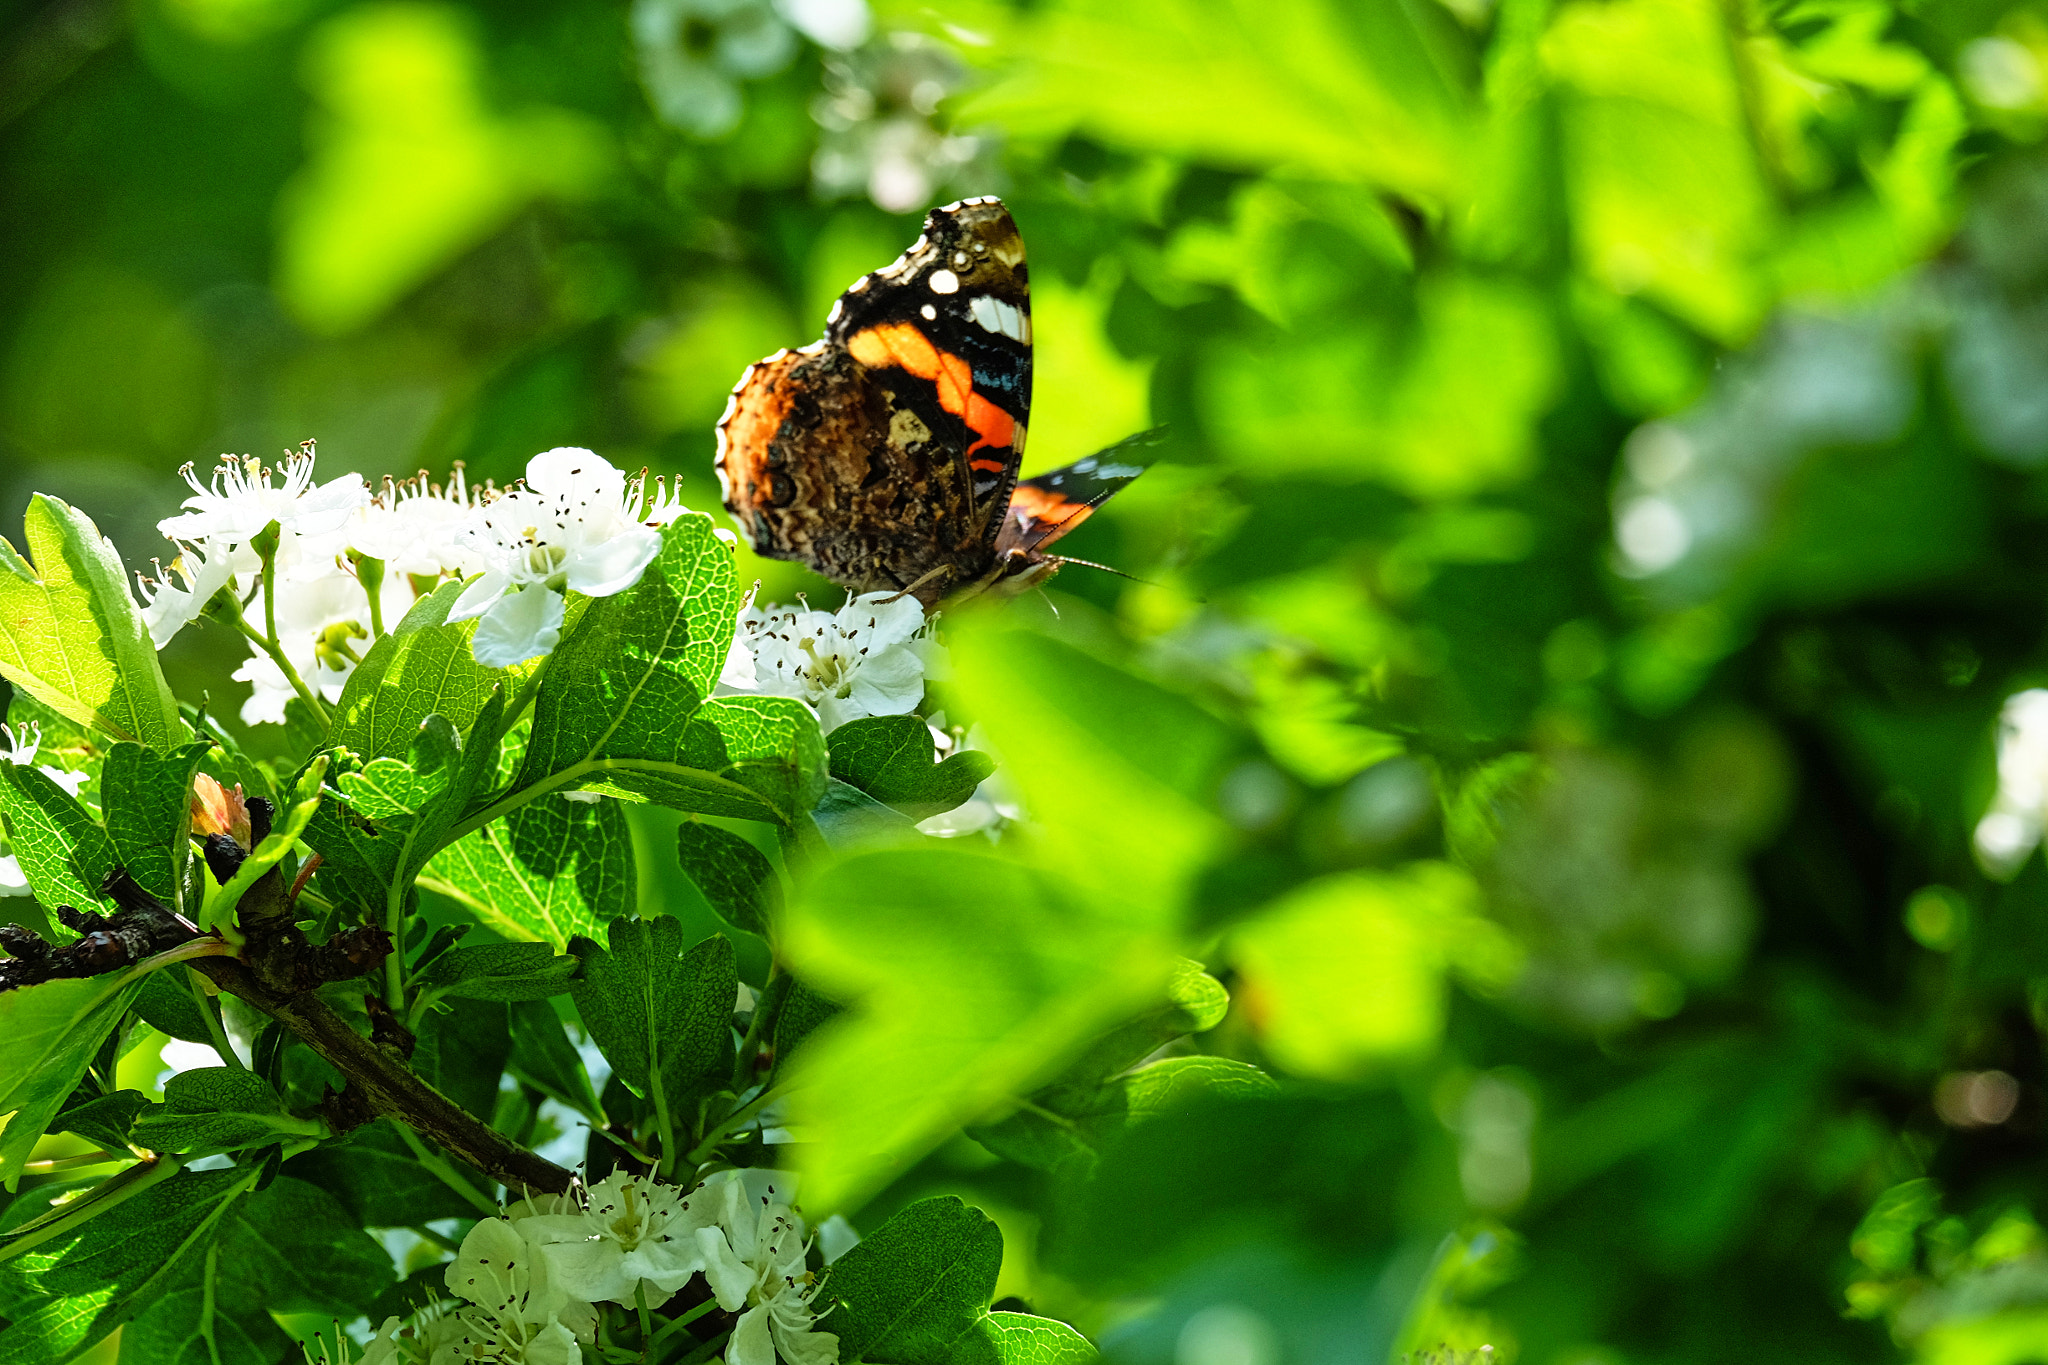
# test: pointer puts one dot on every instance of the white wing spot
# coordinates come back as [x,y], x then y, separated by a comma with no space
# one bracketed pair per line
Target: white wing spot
[931,314]
[838,311]
[995,315]
[944,282]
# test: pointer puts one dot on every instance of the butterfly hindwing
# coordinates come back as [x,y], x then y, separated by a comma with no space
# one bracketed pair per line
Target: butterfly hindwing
[1043,509]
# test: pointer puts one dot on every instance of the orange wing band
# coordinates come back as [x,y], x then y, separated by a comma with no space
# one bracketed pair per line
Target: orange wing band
[903,346]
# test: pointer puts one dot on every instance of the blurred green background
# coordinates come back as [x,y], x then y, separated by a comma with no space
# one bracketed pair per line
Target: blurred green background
[1604,517]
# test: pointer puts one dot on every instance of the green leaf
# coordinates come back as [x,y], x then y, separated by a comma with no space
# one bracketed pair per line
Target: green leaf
[166,1005]
[917,1284]
[294,1248]
[145,798]
[105,1119]
[463,1047]
[970,980]
[197,1324]
[735,878]
[1021,1339]
[1194,1002]
[99,1275]
[375,1176]
[1057,1128]
[1351,970]
[1350,92]
[52,1031]
[396,814]
[500,971]
[890,758]
[803,1010]
[661,1016]
[544,1058]
[219,1109]
[62,850]
[628,677]
[422,668]
[70,635]
[554,868]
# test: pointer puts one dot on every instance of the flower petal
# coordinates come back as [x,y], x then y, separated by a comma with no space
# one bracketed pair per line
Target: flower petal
[479,595]
[613,564]
[522,625]
[729,1277]
[751,1344]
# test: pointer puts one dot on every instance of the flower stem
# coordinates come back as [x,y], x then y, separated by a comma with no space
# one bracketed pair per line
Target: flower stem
[646,1321]
[705,1349]
[682,1320]
[209,1010]
[276,652]
[737,1119]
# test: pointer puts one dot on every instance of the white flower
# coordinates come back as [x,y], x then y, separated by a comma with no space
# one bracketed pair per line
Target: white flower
[22,743]
[316,613]
[517,1312]
[2012,827]
[575,523]
[243,500]
[168,608]
[416,527]
[754,1261]
[866,659]
[631,1234]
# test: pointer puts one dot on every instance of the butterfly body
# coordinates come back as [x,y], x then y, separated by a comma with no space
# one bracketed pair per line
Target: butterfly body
[885,455]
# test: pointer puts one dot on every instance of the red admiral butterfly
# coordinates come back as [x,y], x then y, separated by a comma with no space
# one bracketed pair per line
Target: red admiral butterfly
[885,455]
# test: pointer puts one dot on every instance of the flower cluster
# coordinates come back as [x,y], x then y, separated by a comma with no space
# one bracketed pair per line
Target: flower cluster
[531,1282]
[311,572]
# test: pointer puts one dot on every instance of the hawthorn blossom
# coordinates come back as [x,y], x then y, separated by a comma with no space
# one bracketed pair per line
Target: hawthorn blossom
[629,1236]
[867,659]
[417,529]
[243,499]
[516,1312]
[576,522]
[168,605]
[754,1263]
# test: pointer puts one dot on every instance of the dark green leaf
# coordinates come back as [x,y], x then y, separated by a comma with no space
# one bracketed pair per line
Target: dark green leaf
[916,1285]
[145,798]
[219,1109]
[463,1046]
[735,878]
[848,818]
[662,1016]
[294,1248]
[196,1324]
[500,971]
[99,1275]
[544,1058]
[378,1180]
[890,758]
[167,1006]
[803,1009]
[105,1119]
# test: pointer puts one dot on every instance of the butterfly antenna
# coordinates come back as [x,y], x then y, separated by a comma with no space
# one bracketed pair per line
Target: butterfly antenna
[1091,564]
[1049,602]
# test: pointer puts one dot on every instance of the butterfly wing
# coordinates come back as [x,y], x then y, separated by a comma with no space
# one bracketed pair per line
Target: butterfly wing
[1043,509]
[945,330]
[883,454]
